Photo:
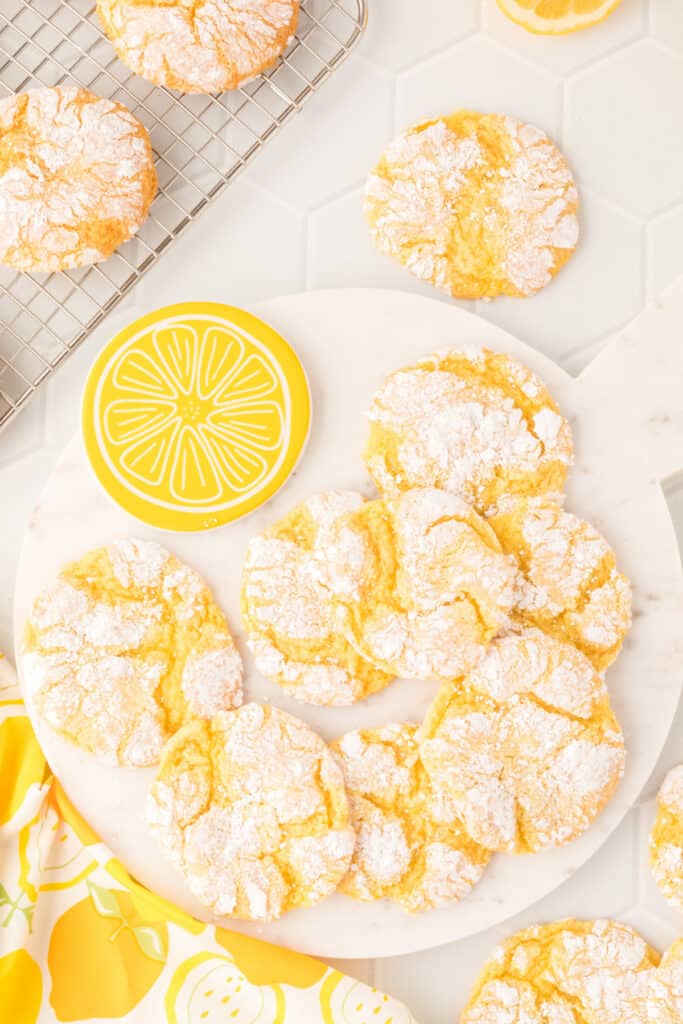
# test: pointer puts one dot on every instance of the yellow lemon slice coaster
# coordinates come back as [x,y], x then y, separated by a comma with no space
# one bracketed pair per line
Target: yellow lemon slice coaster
[195,415]
[557,17]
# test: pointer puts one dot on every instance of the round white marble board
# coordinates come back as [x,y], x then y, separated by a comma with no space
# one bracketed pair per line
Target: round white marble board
[348,341]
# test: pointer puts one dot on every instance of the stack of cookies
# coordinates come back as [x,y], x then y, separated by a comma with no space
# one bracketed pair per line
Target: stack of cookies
[465,570]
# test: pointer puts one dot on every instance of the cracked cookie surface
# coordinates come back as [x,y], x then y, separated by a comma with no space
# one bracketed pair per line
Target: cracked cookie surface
[568,972]
[479,205]
[574,590]
[420,583]
[469,421]
[407,849]
[288,614]
[666,839]
[124,647]
[76,178]
[525,748]
[204,46]
[251,809]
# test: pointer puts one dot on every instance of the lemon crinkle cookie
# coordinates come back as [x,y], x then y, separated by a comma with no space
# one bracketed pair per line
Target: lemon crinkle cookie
[525,748]
[574,590]
[76,178]
[470,421]
[665,994]
[251,809]
[666,839]
[287,611]
[407,848]
[126,646]
[420,583]
[593,972]
[207,47]
[479,205]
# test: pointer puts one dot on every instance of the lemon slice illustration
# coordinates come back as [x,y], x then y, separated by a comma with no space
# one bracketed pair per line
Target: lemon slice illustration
[195,415]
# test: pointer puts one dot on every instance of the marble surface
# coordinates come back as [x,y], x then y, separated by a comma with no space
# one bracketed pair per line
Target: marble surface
[293,221]
[381,331]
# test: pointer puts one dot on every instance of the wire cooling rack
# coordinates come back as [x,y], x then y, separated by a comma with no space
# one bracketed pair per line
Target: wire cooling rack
[200,143]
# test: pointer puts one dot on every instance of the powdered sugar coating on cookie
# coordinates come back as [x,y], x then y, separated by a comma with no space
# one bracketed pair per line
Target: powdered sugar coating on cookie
[665,995]
[208,46]
[420,583]
[251,809]
[574,590]
[525,748]
[124,647]
[76,178]
[406,850]
[597,972]
[666,839]
[479,205]
[469,421]
[287,611]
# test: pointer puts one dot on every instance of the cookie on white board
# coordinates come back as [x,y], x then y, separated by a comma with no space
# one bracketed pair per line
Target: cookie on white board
[251,808]
[125,646]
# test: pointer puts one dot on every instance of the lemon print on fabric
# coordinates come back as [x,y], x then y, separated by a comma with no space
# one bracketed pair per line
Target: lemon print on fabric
[104,956]
[345,1001]
[51,854]
[21,988]
[270,965]
[210,989]
[195,415]
[21,765]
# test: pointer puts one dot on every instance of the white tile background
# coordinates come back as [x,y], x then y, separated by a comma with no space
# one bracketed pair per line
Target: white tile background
[613,98]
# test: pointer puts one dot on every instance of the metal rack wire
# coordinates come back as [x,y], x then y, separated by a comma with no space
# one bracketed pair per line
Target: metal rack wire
[200,144]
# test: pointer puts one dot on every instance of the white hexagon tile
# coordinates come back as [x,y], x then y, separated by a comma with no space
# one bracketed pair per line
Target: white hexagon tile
[611,96]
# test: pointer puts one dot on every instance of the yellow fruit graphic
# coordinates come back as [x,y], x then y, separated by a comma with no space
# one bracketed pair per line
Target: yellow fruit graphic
[195,415]
[557,17]
[104,956]
[149,904]
[51,854]
[345,1001]
[278,966]
[21,764]
[21,988]
[210,989]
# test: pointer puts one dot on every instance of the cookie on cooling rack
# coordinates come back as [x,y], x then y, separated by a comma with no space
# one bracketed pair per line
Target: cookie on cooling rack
[126,646]
[76,178]
[420,584]
[251,809]
[574,590]
[408,847]
[288,614]
[206,47]
[469,421]
[666,839]
[525,748]
[479,205]
[600,972]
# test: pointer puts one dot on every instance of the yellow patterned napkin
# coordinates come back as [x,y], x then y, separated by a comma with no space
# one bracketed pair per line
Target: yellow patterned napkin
[80,940]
